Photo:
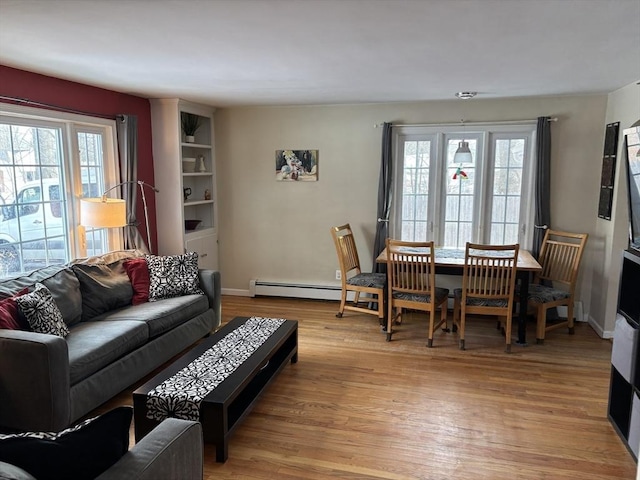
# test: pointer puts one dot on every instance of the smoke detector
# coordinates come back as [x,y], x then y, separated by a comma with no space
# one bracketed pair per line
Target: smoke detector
[466,95]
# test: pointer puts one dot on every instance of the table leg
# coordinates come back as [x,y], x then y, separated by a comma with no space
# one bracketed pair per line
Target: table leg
[522,315]
[222,451]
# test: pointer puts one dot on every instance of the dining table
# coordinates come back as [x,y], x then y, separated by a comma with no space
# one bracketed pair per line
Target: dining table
[450,261]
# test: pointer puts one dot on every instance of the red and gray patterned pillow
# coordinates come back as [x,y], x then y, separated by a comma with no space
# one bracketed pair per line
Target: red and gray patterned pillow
[173,276]
[41,312]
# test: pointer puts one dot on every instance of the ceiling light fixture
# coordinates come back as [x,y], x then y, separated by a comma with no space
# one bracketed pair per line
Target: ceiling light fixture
[466,95]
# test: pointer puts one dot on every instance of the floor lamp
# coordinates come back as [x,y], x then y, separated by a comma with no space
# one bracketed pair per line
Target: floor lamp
[106,212]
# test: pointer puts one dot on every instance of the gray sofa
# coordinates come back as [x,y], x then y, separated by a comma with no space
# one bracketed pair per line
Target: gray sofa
[48,382]
[171,451]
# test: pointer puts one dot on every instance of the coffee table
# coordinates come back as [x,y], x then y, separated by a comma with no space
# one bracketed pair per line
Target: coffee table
[231,399]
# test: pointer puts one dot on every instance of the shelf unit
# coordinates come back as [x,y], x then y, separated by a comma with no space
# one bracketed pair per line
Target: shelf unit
[624,388]
[174,180]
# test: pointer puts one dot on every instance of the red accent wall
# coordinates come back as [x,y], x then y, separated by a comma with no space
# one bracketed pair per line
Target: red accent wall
[78,96]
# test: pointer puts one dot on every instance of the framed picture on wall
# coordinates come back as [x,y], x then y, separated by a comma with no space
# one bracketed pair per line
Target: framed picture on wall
[608,170]
[297,165]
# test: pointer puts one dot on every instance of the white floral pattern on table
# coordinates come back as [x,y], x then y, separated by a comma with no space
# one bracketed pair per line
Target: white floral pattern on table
[181,395]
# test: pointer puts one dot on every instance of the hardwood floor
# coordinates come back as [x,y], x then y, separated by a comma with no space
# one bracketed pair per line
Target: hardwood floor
[358,407]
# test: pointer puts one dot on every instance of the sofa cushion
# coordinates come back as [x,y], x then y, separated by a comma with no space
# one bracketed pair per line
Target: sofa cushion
[80,452]
[173,275]
[94,345]
[41,312]
[103,288]
[61,282]
[163,315]
[138,272]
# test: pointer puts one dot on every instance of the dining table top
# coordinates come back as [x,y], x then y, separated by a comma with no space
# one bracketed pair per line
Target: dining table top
[454,257]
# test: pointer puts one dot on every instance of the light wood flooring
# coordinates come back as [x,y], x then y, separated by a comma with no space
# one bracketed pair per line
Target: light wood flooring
[358,407]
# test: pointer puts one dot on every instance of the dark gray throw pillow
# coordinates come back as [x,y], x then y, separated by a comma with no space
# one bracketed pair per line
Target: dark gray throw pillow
[173,276]
[103,288]
[80,452]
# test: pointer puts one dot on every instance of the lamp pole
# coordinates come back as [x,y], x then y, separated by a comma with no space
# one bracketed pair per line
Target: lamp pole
[141,184]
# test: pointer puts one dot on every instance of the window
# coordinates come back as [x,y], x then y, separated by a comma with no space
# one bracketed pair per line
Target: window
[487,201]
[46,164]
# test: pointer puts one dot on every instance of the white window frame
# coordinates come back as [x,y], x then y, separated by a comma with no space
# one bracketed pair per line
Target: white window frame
[71,124]
[485,135]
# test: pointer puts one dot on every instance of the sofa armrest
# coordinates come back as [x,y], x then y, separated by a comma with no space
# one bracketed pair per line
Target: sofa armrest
[34,381]
[173,449]
[211,285]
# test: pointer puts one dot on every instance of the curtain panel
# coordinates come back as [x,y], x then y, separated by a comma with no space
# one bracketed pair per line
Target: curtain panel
[543,183]
[384,199]
[127,132]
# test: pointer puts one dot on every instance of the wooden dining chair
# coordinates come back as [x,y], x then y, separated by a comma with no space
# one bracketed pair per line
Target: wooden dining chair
[353,279]
[555,285]
[411,283]
[488,286]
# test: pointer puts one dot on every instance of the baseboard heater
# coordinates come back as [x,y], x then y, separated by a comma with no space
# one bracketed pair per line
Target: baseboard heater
[295,290]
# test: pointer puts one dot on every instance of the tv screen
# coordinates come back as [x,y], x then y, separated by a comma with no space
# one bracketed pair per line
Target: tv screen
[632,137]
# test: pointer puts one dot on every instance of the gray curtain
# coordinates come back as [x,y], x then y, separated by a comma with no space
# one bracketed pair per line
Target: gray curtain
[543,182]
[384,199]
[127,131]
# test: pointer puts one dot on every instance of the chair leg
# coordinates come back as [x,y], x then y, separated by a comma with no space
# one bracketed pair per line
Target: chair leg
[463,315]
[343,300]
[507,332]
[381,309]
[389,319]
[541,324]
[356,298]
[432,314]
[456,315]
[443,317]
[570,317]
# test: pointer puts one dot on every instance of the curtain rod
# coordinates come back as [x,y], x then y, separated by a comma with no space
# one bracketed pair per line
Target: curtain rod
[59,108]
[463,123]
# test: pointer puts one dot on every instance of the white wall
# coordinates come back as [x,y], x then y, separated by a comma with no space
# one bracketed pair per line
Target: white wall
[612,236]
[280,231]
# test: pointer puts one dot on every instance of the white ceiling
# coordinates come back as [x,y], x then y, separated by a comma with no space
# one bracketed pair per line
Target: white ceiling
[286,52]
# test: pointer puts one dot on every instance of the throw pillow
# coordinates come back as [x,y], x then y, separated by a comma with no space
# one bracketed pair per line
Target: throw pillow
[10,317]
[173,276]
[80,452]
[42,312]
[104,287]
[138,272]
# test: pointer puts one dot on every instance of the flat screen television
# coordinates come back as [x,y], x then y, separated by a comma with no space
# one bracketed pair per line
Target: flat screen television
[632,143]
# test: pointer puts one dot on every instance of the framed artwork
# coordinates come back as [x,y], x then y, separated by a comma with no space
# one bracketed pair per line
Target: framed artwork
[608,170]
[297,165]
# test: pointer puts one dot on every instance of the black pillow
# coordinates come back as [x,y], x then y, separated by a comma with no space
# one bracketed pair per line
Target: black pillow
[80,452]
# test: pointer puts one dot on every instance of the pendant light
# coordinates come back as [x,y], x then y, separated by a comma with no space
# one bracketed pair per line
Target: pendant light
[463,153]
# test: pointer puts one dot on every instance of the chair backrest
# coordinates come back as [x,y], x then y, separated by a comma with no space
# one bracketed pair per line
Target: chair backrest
[410,266]
[490,271]
[346,249]
[560,257]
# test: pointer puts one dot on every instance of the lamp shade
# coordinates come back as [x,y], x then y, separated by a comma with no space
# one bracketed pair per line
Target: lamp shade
[463,154]
[103,213]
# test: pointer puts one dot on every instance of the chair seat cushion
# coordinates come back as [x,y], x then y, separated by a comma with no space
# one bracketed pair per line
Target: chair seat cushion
[544,294]
[374,280]
[481,302]
[441,293]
